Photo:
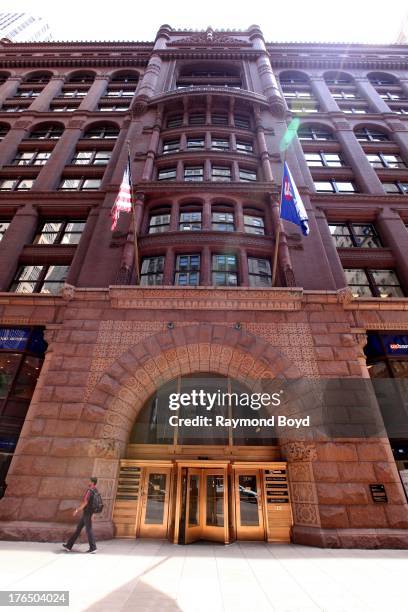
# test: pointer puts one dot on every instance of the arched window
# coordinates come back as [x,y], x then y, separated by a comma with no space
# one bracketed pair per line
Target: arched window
[370,134]
[82,77]
[40,78]
[229,399]
[46,131]
[102,131]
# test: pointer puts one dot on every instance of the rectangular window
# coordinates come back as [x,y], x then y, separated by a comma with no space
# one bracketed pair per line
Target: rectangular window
[167,174]
[381,160]
[195,143]
[190,221]
[247,175]
[361,235]
[219,119]
[324,160]
[334,187]
[222,222]
[16,184]
[224,270]
[220,173]
[259,272]
[175,122]
[245,147]
[31,158]
[3,228]
[396,187]
[86,158]
[254,225]
[152,270]
[378,283]
[39,279]
[60,232]
[187,270]
[196,120]
[194,173]
[159,224]
[171,146]
[220,144]
[241,122]
[82,184]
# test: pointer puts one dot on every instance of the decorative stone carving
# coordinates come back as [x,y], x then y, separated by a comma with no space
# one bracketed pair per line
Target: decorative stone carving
[68,292]
[300,451]
[209,38]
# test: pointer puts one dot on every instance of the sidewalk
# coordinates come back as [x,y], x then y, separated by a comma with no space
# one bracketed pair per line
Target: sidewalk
[156,576]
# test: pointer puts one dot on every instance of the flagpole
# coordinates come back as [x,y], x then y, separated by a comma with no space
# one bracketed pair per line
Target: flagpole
[136,253]
[278,231]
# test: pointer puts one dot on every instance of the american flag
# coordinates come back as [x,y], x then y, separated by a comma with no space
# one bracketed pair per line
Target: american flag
[123,202]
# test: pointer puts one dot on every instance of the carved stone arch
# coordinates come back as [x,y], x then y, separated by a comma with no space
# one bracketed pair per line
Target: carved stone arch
[143,368]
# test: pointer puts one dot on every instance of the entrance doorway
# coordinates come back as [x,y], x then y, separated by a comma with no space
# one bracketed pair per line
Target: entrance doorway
[215,500]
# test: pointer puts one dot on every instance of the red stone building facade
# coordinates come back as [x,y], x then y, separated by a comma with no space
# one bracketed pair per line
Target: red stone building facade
[203,115]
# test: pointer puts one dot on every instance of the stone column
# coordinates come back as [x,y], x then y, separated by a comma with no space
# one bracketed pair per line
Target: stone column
[82,248]
[205,267]
[370,95]
[239,217]
[114,169]
[404,85]
[235,171]
[206,218]
[330,248]
[180,171]
[231,108]
[395,235]
[153,146]
[364,173]
[50,174]
[243,275]
[20,232]
[400,136]
[207,170]
[148,84]
[263,149]
[174,217]
[266,75]
[10,143]
[96,90]
[284,261]
[323,95]
[208,107]
[168,274]
[185,111]
[52,89]
[9,88]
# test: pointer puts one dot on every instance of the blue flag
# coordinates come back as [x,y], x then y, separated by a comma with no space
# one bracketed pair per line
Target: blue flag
[292,208]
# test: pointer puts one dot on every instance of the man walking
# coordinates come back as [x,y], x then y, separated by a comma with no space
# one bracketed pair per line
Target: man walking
[86,519]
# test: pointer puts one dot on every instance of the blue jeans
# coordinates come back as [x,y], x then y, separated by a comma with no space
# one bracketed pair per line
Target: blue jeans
[84,521]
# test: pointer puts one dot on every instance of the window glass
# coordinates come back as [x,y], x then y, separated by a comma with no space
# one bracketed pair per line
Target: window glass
[223,221]
[194,173]
[159,223]
[224,272]
[152,270]
[190,221]
[254,225]
[187,270]
[259,272]
[167,174]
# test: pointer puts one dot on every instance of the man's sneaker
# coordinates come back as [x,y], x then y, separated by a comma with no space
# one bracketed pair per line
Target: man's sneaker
[66,547]
[91,550]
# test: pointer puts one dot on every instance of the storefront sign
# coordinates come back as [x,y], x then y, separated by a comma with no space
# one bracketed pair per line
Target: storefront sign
[378,494]
[14,339]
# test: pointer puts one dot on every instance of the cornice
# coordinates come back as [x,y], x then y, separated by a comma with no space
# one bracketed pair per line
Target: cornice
[210,54]
[193,189]
[71,62]
[205,298]
[363,199]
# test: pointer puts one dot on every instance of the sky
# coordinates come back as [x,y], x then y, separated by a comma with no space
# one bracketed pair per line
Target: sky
[366,21]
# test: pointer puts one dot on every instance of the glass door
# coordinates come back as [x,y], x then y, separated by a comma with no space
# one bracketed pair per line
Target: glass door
[215,508]
[249,505]
[155,503]
[193,506]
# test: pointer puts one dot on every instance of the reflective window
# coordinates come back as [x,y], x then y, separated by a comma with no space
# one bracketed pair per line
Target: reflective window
[224,270]
[152,270]
[39,279]
[334,186]
[79,184]
[17,184]
[174,122]
[171,146]
[167,174]
[259,272]
[159,223]
[220,173]
[190,221]
[385,160]
[91,158]
[254,225]
[60,232]
[378,283]
[247,175]
[3,228]
[195,142]
[194,173]
[187,270]
[397,187]
[362,235]
[315,133]
[220,144]
[245,147]
[31,158]
[222,221]
[47,132]
[107,132]
[370,135]
[324,160]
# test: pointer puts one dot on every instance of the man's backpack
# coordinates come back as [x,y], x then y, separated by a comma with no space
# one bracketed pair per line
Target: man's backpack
[96,502]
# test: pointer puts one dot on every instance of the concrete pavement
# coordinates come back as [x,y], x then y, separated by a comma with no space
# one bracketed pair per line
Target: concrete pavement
[156,576]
